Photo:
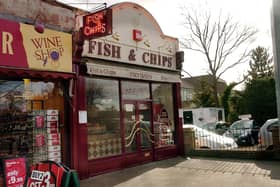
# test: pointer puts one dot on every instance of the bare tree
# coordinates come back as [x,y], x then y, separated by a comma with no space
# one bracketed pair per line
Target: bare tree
[219,40]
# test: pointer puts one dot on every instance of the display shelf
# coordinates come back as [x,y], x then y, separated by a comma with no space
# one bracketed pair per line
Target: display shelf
[163,134]
[39,136]
[15,134]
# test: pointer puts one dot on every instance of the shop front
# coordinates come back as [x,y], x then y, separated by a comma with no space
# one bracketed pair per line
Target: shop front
[35,74]
[128,91]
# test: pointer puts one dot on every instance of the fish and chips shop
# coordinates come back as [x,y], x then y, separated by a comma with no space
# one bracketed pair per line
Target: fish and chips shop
[128,91]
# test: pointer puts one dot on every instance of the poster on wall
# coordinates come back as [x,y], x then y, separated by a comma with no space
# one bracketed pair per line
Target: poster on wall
[14,172]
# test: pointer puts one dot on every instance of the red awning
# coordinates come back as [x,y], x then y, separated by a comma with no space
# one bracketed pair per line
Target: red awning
[17,72]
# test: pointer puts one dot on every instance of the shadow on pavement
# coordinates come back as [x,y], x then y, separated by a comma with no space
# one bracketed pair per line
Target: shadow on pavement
[272,166]
[120,176]
[194,166]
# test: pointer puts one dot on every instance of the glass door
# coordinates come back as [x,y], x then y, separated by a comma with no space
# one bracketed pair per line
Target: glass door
[146,136]
[130,127]
[137,126]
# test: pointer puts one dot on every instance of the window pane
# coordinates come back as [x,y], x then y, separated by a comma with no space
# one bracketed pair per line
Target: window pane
[163,114]
[135,90]
[145,125]
[130,127]
[188,117]
[103,118]
[30,113]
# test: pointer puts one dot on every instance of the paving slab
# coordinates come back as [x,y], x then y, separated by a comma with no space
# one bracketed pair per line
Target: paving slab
[193,172]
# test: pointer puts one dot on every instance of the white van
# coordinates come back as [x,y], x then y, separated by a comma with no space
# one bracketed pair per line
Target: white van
[201,116]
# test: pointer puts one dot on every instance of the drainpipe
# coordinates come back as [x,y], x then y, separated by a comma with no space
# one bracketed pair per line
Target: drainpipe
[275,29]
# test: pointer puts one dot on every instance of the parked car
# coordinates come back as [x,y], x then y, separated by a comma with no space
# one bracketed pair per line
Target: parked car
[265,134]
[244,132]
[211,140]
[218,127]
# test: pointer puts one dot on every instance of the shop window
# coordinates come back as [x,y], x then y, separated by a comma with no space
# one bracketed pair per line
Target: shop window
[186,94]
[135,90]
[30,116]
[103,109]
[188,117]
[163,114]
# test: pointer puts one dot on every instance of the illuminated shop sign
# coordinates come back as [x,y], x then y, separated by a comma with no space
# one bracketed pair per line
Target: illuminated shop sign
[98,24]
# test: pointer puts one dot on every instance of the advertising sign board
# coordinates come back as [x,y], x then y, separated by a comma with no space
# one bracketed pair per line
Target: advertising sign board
[14,171]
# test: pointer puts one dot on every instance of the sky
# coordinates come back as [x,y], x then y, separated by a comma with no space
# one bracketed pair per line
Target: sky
[255,13]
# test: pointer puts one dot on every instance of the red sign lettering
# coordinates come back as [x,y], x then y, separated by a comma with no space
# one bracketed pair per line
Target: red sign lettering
[98,24]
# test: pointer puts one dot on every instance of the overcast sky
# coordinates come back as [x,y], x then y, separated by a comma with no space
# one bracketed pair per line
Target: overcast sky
[255,13]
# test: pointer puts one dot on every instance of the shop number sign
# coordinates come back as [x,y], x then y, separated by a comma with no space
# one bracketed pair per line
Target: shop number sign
[15,172]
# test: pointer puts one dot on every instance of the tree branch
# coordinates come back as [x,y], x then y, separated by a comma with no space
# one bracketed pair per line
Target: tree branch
[216,39]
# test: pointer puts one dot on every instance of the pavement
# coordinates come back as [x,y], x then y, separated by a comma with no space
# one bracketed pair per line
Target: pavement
[193,172]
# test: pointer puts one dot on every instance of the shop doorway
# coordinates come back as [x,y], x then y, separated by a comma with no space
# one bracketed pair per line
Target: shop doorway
[137,132]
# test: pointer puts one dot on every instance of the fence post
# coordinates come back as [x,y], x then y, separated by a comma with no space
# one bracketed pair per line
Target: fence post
[275,137]
[189,140]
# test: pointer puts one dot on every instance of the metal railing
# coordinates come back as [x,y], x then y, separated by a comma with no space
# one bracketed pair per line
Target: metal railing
[244,139]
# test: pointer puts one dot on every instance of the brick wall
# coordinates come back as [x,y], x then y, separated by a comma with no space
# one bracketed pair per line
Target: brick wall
[54,15]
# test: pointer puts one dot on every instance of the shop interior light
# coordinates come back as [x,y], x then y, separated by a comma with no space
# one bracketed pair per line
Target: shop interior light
[27,89]
[27,84]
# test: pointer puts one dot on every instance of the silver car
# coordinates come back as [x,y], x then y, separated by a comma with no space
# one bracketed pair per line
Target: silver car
[265,135]
[244,132]
[211,140]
